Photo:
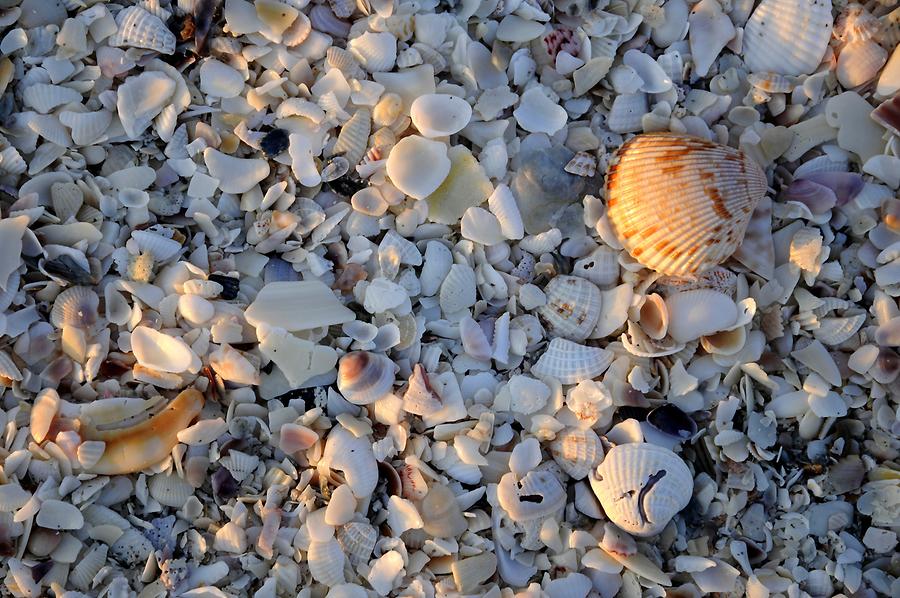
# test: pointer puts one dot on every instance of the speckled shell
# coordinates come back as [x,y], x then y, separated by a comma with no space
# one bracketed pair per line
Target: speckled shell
[576,450]
[573,307]
[624,483]
[787,36]
[679,204]
[169,490]
[570,362]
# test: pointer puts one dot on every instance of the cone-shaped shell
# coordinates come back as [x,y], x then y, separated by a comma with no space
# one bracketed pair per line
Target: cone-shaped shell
[642,486]
[787,36]
[679,204]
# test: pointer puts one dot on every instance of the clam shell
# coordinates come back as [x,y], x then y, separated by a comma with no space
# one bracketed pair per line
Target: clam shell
[13,497]
[170,490]
[236,175]
[230,538]
[642,486]
[326,562]
[162,248]
[538,494]
[87,566]
[439,115]
[141,29]
[365,377]
[358,541]
[859,62]
[577,451]
[67,199]
[694,214]
[76,306]
[572,308]
[570,362]
[441,513]
[417,166]
[141,98]
[458,289]
[376,52]
[11,161]
[788,37]
[240,465]
[163,352]
[354,136]
[44,97]
[89,453]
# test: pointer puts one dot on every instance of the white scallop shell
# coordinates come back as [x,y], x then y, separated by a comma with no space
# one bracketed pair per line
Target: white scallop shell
[240,465]
[67,199]
[358,541]
[570,362]
[577,451]
[76,306]
[439,115]
[376,52]
[354,136]
[417,166]
[141,29]
[642,486]
[572,308]
[859,62]
[481,226]
[538,494]
[834,331]
[627,113]
[365,377]
[162,248]
[44,97]
[681,204]
[600,267]
[169,490]
[788,37]
[326,562]
[11,161]
[353,457]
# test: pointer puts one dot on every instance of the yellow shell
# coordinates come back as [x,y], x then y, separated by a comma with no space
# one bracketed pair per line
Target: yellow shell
[680,205]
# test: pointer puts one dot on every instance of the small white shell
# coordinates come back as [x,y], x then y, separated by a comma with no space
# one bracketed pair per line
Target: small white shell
[439,115]
[458,289]
[627,112]
[140,29]
[59,515]
[352,456]
[13,497]
[642,486]
[577,451]
[420,398]
[572,308]
[170,490]
[365,377]
[160,247]
[376,52]
[240,465]
[441,513]
[141,98]
[538,494]
[230,538]
[417,166]
[161,351]
[570,362]
[67,199]
[503,205]
[44,97]
[76,306]
[88,566]
[326,562]
[236,175]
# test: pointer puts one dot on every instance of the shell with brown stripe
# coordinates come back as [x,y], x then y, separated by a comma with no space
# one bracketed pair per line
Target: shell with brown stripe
[680,205]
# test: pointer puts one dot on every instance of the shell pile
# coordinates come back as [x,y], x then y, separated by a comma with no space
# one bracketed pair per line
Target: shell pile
[521,298]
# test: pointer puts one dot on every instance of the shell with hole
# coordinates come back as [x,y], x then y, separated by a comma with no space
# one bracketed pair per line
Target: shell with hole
[679,204]
[572,308]
[642,487]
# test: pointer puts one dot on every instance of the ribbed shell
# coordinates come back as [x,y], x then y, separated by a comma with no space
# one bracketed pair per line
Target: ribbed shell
[67,199]
[44,97]
[354,136]
[572,308]
[859,62]
[358,541]
[576,450]
[170,490]
[88,566]
[326,562]
[140,29]
[624,483]
[538,494]
[76,306]
[679,204]
[86,126]
[787,36]
[570,362]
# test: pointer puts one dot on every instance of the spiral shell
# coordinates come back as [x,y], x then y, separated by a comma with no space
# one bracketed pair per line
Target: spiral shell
[572,308]
[787,36]
[680,205]
[642,486]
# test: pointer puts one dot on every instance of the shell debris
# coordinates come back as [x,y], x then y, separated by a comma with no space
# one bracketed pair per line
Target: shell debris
[355,298]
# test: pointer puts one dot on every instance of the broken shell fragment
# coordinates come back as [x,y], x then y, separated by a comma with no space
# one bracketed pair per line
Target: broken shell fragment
[365,377]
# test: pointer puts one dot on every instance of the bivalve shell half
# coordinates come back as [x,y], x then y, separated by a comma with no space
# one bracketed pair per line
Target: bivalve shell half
[538,494]
[141,29]
[365,377]
[59,515]
[700,312]
[76,306]
[352,456]
[577,451]
[570,363]
[572,308]
[680,205]
[642,486]
[788,37]
[439,115]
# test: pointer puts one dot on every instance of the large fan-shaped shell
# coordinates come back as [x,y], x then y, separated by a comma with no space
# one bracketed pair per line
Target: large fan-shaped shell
[571,363]
[787,36]
[572,308]
[140,29]
[642,486]
[681,204]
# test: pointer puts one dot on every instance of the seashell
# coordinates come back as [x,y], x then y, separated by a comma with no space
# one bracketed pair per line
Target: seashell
[43,412]
[326,562]
[353,457]
[90,452]
[67,199]
[439,115]
[859,62]
[889,80]
[710,30]
[240,465]
[601,267]
[700,312]
[59,515]
[11,161]
[572,308]
[141,98]
[570,362]
[13,497]
[169,490]
[538,494]
[577,451]
[236,175]
[354,136]
[44,98]
[441,513]
[365,377]
[437,263]
[503,205]
[788,37]
[76,306]
[834,331]
[417,166]
[481,226]
[818,198]
[696,216]
[654,317]
[230,538]
[855,23]
[357,539]
[772,82]
[582,164]
[137,28]
[654,79]
[420,398]
[280,305]
[90,563]
[323,19]
[376,52]
[669,419]
[457,289]
[233,366]
[642,487]
[387,110]
[887,114]
[537,113]
[627,112]
[8,370]
[163,352]
[162,248]
[845,185]
[220,80]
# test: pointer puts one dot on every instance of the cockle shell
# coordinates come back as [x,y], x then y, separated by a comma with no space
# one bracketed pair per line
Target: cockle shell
[577,451]
[679,204]
[642,486]
[140,29]
[572,308]
[326,562]
[570,362]
[44,97]
[353,457]
[788,37]
[76,306]
[376,52]
[365,377]
[538,494]
[358,541]
[354,136]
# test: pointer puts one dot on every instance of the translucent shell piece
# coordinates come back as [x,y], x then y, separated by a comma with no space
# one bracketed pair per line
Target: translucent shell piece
[570,362]
[573,307]
[787,36]
[642,486]
[680,205]
[140,29]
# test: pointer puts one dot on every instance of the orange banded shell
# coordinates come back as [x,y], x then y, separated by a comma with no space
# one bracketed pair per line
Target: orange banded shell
[680,205]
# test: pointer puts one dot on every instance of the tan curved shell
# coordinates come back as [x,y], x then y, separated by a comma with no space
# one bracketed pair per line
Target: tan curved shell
[642,486]
[680,205]
[576,450]
[572,308]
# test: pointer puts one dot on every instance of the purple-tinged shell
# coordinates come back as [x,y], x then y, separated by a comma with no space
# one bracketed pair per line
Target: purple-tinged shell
[846,185]
[324,21]
[818,198]
[279,270]
[887,114]
[671,420]
[224,486]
